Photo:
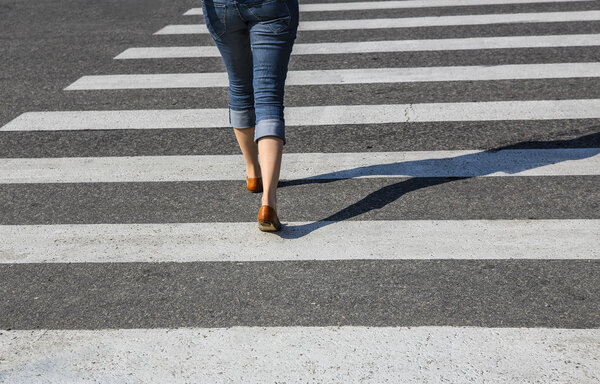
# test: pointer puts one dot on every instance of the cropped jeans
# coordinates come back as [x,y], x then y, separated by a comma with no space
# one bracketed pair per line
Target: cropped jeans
[255,38]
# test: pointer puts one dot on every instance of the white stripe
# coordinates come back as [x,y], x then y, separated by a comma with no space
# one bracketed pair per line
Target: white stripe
[322,240]
[526,162]
[410,22]
[312,116]
[169,52]
[302,354]
[348,76]
[472,43]
[361,5]
[182,29]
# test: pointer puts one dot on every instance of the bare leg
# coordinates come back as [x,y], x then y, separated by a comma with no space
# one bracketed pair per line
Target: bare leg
[245,138]
[270,149]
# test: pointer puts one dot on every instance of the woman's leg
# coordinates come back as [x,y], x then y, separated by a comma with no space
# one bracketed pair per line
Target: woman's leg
[245,138]
[270,149]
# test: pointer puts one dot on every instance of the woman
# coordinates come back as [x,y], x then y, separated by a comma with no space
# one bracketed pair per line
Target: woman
[255,38]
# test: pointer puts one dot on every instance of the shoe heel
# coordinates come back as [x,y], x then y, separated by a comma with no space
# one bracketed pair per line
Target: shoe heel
[254,184]
[268,220]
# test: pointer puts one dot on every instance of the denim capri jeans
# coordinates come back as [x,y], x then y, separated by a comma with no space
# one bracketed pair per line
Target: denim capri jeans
[255,39]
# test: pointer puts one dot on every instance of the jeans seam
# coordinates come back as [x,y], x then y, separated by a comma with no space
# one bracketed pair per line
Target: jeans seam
[224,21]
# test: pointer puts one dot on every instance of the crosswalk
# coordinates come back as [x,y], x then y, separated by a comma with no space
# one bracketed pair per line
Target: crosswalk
[472,43]
[413,22]
[391,4]
[375,240]
[309,349]
[348,76]
[411,251]
[309,166]
[313,115]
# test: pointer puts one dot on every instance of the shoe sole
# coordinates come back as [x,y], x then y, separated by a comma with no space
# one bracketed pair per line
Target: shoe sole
[267,226]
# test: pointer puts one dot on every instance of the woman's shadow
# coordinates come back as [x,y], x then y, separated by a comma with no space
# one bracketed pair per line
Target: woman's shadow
[489,162]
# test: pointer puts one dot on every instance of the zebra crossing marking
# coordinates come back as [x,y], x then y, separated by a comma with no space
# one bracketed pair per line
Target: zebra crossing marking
[510,162]
[348,76]
[290,354]
[376,240]
[412,22]
[311,116]
[470,43]
[373,5]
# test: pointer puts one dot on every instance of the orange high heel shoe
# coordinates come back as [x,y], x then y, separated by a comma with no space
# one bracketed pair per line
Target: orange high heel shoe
[254,184]
[268,220]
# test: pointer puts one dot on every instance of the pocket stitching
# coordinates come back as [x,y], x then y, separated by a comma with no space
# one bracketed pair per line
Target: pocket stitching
[223,21]
[289,16]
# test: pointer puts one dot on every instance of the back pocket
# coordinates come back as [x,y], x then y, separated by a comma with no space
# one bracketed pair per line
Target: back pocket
[273,13]
[214,17]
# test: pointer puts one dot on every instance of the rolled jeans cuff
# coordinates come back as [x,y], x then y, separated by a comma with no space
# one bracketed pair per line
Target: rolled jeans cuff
[270,127]
[242,119]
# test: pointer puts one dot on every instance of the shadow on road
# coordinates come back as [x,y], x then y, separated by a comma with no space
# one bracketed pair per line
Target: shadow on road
[390,193]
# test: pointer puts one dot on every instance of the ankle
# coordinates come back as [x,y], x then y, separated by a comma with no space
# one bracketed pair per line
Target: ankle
[270,202]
